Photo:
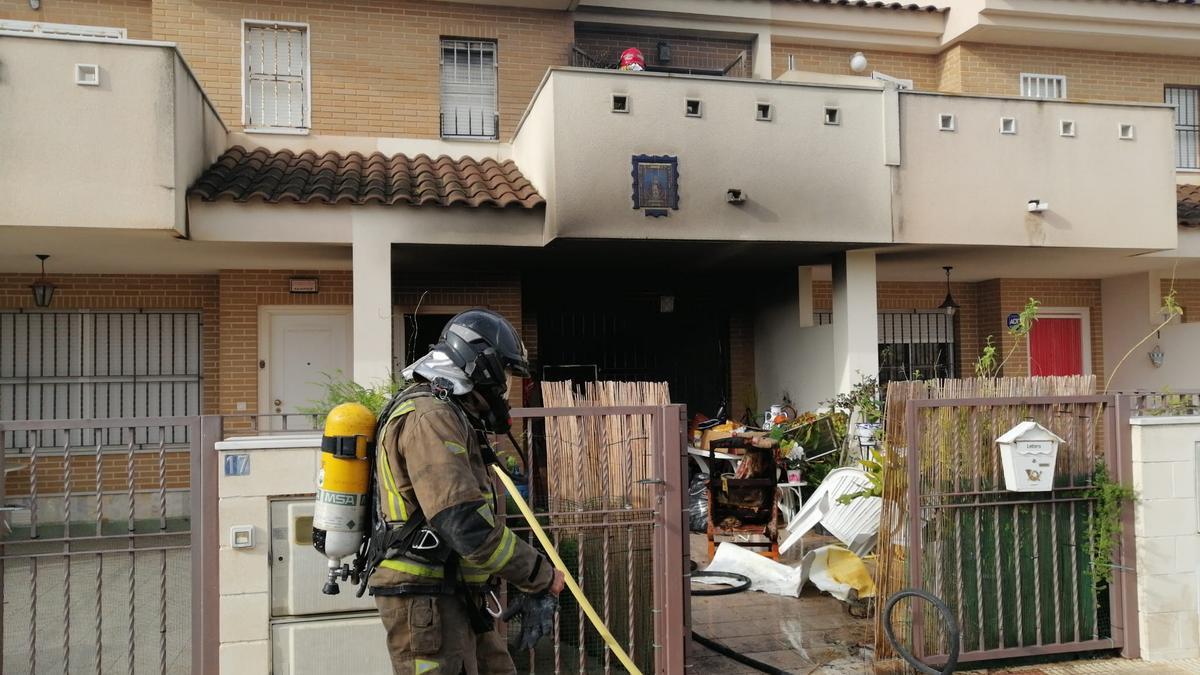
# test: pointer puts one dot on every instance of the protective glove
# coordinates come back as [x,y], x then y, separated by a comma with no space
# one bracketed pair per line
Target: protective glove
[537,617]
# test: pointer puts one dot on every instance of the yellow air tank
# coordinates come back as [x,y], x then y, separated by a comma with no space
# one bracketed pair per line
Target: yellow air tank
[340,519]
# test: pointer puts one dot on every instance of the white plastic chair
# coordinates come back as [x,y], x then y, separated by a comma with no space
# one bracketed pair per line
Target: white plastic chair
[855,524]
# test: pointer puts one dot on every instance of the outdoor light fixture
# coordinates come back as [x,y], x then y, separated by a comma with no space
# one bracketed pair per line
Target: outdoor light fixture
[1157,356]
[949,306]
[858,62]
[43,291]
[664,52]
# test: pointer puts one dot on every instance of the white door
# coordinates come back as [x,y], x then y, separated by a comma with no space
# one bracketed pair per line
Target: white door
[305,350]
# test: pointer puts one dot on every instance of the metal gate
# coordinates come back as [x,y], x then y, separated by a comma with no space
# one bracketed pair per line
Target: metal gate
[1013,566]
[613,501]
[96,567]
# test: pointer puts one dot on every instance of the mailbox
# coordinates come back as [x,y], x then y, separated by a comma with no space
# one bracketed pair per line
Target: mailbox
[1028,453]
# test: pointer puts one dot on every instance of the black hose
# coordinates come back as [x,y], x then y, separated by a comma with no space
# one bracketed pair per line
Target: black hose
[743,583]
[951,630]
[740,658]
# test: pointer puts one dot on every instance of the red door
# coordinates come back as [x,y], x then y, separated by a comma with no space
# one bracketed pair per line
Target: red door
[1056,347]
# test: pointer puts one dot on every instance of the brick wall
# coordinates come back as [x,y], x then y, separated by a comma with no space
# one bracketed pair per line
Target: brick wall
[984,309]
[375,63]
[743,392]
[686,50]
[1103,76]
[1061,293]
[242,292]
[1187,294]
[949,69]
[922,69]
[134,291]
[114,474]
[132,15]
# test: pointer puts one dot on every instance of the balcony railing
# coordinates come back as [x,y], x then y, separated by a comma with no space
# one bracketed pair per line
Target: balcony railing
[740,66]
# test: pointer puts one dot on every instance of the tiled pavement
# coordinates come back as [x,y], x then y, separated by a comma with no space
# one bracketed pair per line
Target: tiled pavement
[811,634]
[814,635]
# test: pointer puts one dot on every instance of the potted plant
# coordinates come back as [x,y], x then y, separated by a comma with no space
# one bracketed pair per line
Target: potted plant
[862,403]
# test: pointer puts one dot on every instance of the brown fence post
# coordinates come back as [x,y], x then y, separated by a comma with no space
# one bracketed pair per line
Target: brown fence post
[205,608]
[672,586]
[913,462]
[674,536]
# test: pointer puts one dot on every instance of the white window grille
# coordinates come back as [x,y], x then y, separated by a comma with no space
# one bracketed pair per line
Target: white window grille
[275,91]
[1043,86]
[469,89]
[1187,125]
[62,29]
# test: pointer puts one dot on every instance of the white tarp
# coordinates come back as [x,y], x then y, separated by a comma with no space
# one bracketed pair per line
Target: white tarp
[765,574]
[832,569]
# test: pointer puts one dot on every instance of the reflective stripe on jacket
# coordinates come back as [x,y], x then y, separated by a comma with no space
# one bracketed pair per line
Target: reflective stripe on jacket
[429,456]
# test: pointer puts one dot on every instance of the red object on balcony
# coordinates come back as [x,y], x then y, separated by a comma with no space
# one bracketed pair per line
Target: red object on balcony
[632,59]
[1056,347]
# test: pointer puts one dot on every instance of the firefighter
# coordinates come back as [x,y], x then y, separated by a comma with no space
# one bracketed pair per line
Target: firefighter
[439,547]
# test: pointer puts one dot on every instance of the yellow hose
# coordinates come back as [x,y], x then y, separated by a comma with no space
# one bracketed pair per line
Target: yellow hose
[560,566]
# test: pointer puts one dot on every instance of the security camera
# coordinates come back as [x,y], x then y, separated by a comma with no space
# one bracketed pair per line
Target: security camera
[735,196]
[1038,206]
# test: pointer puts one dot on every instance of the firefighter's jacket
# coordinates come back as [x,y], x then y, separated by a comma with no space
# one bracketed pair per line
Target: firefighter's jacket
[428,455]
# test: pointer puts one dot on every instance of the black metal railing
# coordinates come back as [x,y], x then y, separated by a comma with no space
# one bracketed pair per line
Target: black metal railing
[740,66]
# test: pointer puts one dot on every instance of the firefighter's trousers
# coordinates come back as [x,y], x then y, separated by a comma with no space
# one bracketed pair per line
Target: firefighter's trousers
[432,634]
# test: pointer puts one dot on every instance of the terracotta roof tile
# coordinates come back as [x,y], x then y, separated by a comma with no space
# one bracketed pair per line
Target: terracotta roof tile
[1188,205]
[877,4]
[330,178]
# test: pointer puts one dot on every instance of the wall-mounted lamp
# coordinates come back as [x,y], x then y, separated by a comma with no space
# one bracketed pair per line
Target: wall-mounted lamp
[35,4]
[949,306]
[858,62]
[1038,206]
[664,52]
[43,291]
[1157,356]
[735,196]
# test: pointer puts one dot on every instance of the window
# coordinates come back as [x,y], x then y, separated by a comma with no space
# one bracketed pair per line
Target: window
[64,29]
[275,94]
[1187,125]
[469,89]
[96,364]
[915,345]
[1043,86]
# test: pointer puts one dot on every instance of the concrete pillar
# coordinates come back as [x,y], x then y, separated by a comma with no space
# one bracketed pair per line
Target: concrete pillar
[855,319]
[804,296]
[761,68]
[372,251]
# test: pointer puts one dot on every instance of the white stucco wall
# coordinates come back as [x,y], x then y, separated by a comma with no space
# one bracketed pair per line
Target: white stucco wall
[804,180]
[971,186]
[533,150]
[1165,452]
[1131,305]
[790,361]
[118,155]
[200,137]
